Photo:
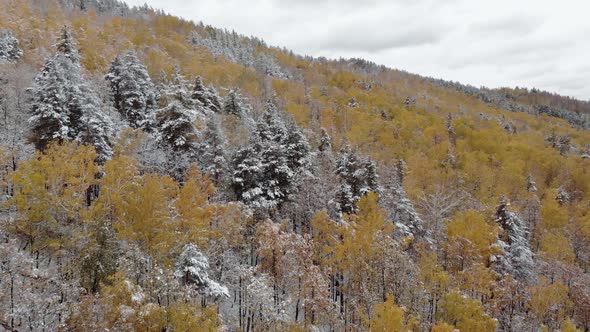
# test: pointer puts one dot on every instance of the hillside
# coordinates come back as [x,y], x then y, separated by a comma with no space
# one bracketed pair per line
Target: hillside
[158,174]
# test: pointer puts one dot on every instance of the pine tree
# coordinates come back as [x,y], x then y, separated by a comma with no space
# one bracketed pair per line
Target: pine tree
[275,157]
[401,209]
[297,148]
[517,258]
[276,175]
[10,50]
[50,120]
[247,167]
[372,177]
[200,93]
[272,128]
[175,121]
[175,125]
[66,45]
[212,155]
[325,141]
[192,269]
[358,177]
[177,90]
[214,100]
[133,92]
[64,107]
[232,103]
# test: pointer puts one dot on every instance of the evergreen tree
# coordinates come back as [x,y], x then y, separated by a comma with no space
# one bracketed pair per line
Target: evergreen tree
[64,107]
[358,177]
[175,125]
[298,148]
[275,157]
[10,50]
[214,100]
[212,156]
[372,177]
[200,93]
[325,141]
[277,177]
[133,92]
[247,167]
[177,90]
[233,103]
[66,45]
[175,122]
[517,258]
[192,270]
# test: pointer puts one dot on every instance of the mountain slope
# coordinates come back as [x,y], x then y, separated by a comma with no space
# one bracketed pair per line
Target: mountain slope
[340,195]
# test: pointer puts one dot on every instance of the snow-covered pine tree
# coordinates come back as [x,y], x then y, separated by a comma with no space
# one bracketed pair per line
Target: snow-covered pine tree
[212,156]
[175,122]
[276,175]
[358,177]
[401,210]
[372,177]
[247,167]
[192,268]
[214,99]
[325,141]
[134,94]
[275,156]
[233,103]
[297,148]
[10,50]
[50,120]
[176,128]
[276,131]
[64,106]
[66,45]
[517,258]
[200,93]
[177,89]
[348,168]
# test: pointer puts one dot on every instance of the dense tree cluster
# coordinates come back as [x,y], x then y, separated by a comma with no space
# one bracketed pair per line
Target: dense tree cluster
[134,95]
[266,170]
[64,107]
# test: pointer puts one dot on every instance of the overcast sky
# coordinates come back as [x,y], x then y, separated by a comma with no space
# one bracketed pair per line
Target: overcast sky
[532,43]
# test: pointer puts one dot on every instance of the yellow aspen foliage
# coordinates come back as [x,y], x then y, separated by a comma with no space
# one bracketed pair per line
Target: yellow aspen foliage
[435,279]
[194,211]
[361,233]
[51,190]
[324,232]
[477,280]
[471,240]
[556,246]
[465,314]
[387,317]
[549,303]
[569,326]
[443,327]
[145,216]
[126,308]
[553,215]
[120,173]
[184,317]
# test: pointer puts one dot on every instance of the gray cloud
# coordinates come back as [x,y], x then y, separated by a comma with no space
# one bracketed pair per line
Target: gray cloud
[532,43]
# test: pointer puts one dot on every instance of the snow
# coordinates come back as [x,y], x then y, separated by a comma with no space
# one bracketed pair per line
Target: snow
[192,267]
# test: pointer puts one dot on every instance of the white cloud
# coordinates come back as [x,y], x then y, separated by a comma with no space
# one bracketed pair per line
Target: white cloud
[533,43]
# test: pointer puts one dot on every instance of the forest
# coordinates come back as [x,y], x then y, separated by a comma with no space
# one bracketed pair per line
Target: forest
[159,174]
